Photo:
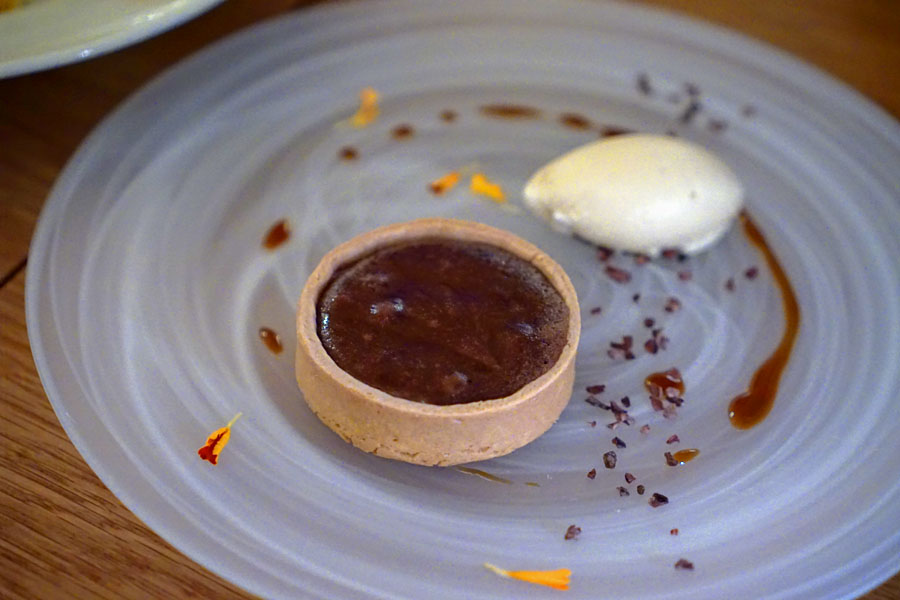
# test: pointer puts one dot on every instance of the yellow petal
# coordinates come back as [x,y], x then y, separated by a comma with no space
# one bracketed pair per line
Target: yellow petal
[557,579]
[216,442]
[482,186]
[444,183]
[368,108]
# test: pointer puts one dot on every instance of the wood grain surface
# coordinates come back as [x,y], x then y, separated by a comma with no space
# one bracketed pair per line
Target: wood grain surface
[63,535]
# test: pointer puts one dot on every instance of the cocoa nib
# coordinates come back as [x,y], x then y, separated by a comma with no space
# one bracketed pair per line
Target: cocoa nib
[604,253]
[674,375]
[672,304]
[572,532]
[685,275]
[670,460]
[597,402]
[657,500]
[645,429]
[648,322]
[618,443]
[592,473]
[636,298]
[717,125]
[621,415]
[623,491]
[626,401]
[595,389]
[622,349]
[596,310]
[664,403]
[617,408]
[690,112]
[643,84]
[657,342]
[629,478]
[729,284]
[618,275]
[673,439]
[670,253]
[673,531]
[609,460]
[640,490]
[751,273]
[666,399]
[684,565]
[625,354]
[625,344]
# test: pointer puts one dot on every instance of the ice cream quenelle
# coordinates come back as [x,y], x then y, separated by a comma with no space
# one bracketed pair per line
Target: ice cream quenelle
[640,193]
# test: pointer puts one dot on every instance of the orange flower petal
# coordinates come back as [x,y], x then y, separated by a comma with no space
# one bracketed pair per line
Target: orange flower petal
[557,579]
[216,441]
[444,183]
[482,186]
[368,108]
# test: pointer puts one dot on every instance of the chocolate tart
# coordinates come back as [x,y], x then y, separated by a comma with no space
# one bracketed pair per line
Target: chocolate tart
[422,432]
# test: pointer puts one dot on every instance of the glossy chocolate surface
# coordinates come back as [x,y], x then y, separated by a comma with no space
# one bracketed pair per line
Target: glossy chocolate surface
[442,321]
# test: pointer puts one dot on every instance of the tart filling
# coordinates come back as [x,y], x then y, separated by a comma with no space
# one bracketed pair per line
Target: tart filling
[442,321]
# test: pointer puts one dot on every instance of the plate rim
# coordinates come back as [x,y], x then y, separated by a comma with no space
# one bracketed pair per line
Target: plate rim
[64,52]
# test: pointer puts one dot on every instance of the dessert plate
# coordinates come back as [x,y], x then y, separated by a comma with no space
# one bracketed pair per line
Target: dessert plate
[148,284]
[48,33]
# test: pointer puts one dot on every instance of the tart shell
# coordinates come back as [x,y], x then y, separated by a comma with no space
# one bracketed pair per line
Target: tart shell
[426,434]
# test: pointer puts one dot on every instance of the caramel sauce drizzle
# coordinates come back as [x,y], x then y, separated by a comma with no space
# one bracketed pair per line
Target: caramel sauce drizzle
[662,380]
[510,111]
[278,234]
[569,119]
[271,339]
[348,153]
[752,406]
[575,121]
[402,132]
[612,131]
[686,455]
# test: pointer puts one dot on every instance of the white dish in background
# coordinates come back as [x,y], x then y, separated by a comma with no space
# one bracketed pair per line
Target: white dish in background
[49,33]
[147,285]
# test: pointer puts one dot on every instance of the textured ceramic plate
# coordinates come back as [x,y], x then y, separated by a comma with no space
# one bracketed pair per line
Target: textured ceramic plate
[147,285]
[49,33]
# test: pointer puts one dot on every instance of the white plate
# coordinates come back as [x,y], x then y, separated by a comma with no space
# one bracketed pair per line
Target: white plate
[147,285]
[49,33]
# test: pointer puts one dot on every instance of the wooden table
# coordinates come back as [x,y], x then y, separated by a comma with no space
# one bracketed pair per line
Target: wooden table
[62,533]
